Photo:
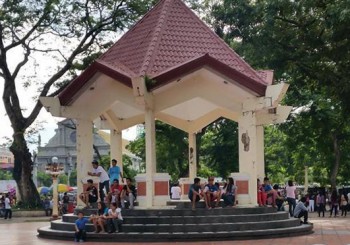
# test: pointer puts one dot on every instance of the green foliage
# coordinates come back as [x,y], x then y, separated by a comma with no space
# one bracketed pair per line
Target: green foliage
[127,166]
[63,179]
[5,175]
[105,162]
[44,179]
[306,44]
[73,178]
[219,148]
[171,150]
[63,32]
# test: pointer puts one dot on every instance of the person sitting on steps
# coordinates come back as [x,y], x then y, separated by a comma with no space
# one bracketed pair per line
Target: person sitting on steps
[211,193]
[194,192]
[230,193]
[128,194]
[262,196]
[114,218]
[116,190]
[301,210]
[98,219]
[270,191]
[90,195]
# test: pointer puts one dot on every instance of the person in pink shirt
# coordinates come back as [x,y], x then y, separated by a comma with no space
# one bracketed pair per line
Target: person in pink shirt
[291,192]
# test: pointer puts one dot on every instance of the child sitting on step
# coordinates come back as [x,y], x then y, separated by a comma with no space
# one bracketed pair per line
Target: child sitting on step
[80,224]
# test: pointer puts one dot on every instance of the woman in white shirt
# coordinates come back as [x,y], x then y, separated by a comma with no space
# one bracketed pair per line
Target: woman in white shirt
[291,192]
[175,192]
[114,218]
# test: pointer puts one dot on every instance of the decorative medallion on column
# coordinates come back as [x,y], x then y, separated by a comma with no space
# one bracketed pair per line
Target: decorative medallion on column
[245,140]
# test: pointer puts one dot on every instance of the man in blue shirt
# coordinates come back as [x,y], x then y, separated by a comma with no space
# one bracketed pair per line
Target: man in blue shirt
[114,172]
[211,193]
[80,224]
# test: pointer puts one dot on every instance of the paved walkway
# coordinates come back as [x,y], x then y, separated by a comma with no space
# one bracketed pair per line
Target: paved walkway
[328,231]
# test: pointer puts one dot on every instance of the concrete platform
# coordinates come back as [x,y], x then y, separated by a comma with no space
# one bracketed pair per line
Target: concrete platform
[327,231]
[150,225]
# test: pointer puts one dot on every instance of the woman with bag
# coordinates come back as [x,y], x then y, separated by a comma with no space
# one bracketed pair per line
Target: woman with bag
[230,193]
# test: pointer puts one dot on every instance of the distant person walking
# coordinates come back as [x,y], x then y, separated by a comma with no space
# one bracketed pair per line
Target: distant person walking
[321,203]
[104,178]
[334,203]
[114,172]
[8,210]
[291,192]
[343,204]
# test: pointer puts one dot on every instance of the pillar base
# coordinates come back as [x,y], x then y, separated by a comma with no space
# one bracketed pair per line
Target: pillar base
[161,190]
[54,217]
[242,182]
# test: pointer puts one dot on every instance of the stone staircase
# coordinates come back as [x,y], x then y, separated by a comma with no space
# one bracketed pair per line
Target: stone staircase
[180,223]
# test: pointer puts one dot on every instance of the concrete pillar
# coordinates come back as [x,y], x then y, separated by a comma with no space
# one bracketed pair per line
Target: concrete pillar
[249,156]
[151,163]
[84,153]
[260,152]
[55,198]
[192,155]
[117,147]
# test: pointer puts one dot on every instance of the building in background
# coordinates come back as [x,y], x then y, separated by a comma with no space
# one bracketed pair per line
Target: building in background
[6,159]
[63,146]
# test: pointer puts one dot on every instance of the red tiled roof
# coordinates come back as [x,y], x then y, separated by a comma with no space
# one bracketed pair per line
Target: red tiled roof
[167,36]
[266,75]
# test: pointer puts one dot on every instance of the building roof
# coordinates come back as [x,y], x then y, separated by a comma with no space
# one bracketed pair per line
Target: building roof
[167,37]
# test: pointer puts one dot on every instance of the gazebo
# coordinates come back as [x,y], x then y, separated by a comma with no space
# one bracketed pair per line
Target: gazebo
[170,66]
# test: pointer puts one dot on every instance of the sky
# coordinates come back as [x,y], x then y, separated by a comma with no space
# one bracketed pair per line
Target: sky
[39,68]
[48,122]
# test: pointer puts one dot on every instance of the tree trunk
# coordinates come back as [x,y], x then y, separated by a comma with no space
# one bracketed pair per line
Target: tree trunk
[336,151]
[22,172]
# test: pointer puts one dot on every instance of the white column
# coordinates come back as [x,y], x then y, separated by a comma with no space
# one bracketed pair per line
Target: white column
[55,198]
[248,154]
[84,153]
[150,130]
[260,152]
[117,147]
[192,155]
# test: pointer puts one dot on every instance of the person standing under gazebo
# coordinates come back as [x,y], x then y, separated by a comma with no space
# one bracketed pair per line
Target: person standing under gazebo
[114,172]
[104,178]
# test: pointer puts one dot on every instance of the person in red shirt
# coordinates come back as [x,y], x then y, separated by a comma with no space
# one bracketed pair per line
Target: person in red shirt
[116,190]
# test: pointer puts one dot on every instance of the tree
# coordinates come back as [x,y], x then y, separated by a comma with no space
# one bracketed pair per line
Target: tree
[219,147]
[305,43]
[44,179]
[171,150]
[5,175]
[34,29]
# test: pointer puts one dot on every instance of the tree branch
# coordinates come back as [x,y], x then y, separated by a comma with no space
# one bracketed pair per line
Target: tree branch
[23,62]
[79,49]
[29,33]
